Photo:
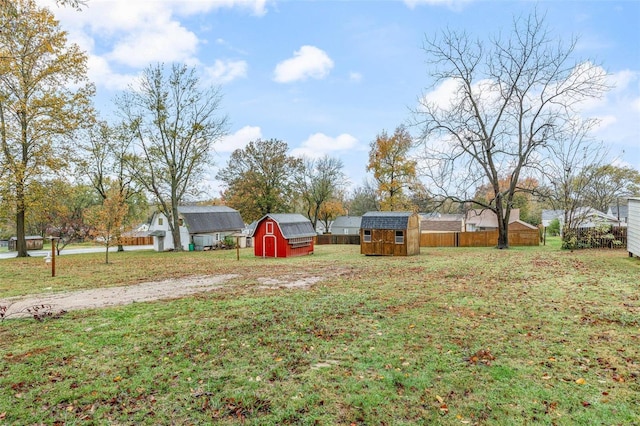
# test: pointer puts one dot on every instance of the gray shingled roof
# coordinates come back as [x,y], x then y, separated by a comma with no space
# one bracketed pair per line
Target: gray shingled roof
[207,219]
[292,225]
[347,222]
[385,220]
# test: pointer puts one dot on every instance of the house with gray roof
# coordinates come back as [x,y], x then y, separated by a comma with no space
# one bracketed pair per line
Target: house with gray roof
[390,234]
[346,225]
[581,217]
[201,227]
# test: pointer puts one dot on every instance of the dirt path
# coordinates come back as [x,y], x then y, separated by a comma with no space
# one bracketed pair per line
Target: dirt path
[103,297]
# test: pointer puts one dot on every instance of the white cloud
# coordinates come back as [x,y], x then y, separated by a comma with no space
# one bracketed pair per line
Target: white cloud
[167,43]
[319,144]
[122,36]
[618,110]
[226,71]
[355,76]
[443,95]
[100,71]
[451,4]
[308,62]
[239,139]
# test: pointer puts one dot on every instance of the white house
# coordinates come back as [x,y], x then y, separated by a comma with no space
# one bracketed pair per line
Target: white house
[200,227]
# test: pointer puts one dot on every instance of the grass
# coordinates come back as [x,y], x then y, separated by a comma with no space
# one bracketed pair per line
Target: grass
[453,336]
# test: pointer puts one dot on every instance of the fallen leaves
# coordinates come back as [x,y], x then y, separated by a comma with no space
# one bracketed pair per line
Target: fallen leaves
[444,408]
[483,356]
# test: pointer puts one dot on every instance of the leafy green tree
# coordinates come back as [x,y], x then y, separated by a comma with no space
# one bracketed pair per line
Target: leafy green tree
[554,227]
[393,169]
[44,97]
[261,178]
[174,124]
[513,98]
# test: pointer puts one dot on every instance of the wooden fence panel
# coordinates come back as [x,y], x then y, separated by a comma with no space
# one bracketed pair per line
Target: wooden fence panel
[524,237]
[438,239]
[136,241]
[337,239]
[528,237]
[478,239]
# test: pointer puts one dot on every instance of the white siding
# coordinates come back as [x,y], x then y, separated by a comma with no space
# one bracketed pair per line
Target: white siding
[633,230]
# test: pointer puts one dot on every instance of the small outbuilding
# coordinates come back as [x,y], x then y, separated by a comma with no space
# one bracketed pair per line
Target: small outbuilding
[283,235]
[633,229]
[34,242]
[390,234]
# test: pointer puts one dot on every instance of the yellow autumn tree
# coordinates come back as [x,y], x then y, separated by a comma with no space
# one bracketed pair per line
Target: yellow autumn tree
[106,220]
[44,96]
[393,170]
[329,211]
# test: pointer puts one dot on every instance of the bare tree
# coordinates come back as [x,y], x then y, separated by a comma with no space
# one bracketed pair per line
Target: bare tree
[174,124]
[510,99]
[104,158]
[569,171]
[321,182]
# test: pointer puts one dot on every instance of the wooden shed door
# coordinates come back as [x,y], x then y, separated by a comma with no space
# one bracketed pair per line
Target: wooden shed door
[269,246]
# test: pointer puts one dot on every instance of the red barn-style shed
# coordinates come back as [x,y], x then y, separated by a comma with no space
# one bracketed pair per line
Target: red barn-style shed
[283,235]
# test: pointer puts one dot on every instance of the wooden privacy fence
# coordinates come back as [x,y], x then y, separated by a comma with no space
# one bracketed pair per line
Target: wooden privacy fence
[337,239]
[528,237]
[136,241]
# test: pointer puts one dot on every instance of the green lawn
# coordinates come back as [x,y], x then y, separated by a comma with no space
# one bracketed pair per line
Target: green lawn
[453,336]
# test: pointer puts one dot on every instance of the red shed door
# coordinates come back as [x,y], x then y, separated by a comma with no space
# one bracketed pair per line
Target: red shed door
[269,246]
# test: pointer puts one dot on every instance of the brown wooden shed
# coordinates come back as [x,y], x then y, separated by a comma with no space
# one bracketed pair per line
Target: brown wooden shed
[34,242]
[390,234]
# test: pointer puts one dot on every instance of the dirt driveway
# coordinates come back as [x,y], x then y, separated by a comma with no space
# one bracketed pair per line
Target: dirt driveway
[20,307]
[112,296]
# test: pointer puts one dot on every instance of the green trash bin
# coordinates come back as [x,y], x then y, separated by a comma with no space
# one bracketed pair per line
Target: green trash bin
[191,247]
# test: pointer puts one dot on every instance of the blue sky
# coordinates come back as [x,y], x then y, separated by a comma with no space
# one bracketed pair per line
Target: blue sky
[328,76]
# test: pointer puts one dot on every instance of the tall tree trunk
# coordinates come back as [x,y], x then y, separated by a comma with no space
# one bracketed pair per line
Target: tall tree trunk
[21,242]
[502,214]
[175,228]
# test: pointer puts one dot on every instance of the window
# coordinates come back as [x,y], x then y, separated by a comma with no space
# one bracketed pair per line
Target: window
[366,235]
[217,237]
[269,228]
[399,237]
[160,221]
